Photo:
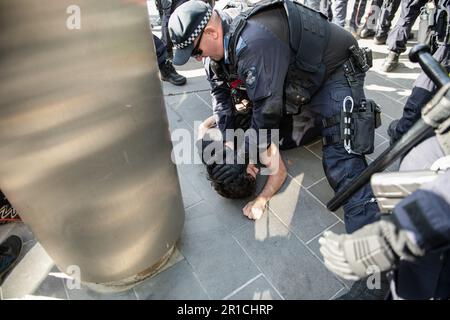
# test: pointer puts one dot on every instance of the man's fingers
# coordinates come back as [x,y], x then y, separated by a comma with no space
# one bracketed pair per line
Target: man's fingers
[257,213]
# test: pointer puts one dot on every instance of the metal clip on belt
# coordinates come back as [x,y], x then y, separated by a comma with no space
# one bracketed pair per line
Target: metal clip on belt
[347,124]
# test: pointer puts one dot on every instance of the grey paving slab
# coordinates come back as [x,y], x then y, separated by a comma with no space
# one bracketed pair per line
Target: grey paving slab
[189,107]
[228,211]
[176,283]
[303,165]
[314,245]
[193,83]
[175,119]
[389,105]
[206,97]
[382,130]
[304,215]
[84,293]
[377,81]
[189,195]
[286,262]
[378,150]
[325,193]
[219,262]
[195,79]
[316,148]
[258,289]
[52,286]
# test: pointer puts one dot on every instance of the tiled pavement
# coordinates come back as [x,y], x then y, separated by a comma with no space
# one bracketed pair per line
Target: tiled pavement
[223,255]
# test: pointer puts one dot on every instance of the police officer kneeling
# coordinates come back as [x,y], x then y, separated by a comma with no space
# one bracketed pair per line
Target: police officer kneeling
[288,56]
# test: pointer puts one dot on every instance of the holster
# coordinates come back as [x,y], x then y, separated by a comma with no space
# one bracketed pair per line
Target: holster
[358,127]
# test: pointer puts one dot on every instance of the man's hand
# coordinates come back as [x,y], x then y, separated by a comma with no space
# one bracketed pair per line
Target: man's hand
[374,248]
[255,209]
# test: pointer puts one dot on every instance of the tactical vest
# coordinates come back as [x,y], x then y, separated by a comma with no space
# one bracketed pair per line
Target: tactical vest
[308,42]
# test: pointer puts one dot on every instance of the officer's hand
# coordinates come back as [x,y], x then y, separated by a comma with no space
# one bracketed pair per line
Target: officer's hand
[242,121]
[225,173]
[255,209]
[374,248]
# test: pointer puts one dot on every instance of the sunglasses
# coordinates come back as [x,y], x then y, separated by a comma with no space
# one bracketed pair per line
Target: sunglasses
[197,52]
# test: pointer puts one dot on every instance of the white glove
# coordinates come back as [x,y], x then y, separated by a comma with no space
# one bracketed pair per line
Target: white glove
[375,247]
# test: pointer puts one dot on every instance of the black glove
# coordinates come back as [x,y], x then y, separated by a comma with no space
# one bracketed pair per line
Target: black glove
[242,120]
[225,173]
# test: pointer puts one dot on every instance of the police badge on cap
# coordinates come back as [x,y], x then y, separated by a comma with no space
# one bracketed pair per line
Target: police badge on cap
[185,25]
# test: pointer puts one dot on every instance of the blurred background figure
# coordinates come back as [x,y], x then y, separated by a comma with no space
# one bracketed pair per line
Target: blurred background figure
[340,14]
[379,19]
[166,68]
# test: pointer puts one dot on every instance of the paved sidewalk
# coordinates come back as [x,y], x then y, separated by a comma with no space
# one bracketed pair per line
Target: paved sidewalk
[223,255]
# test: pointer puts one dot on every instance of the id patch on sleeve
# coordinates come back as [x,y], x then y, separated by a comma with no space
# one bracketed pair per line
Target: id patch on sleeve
[250,78]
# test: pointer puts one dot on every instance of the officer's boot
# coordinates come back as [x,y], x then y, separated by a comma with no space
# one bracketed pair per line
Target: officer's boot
[380,39]
[391,61]
[168,73]
[361,291]
[365,33]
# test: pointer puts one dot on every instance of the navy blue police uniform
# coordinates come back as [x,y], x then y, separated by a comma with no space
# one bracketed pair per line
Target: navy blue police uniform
[161,50]
[423,88]
[397,38]
[262,58]
[167,7]
[340,13]
[426,214]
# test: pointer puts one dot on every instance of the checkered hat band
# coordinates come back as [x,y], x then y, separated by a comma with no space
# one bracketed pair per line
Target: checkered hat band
[196,32]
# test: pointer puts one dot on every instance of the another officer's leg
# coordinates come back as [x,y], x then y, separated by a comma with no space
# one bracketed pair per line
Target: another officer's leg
[428,277]
[359,7]
[372,17]
[340,12]
[313,4]
[168,72]
[160,12]
[388,11]
[396,41]
[165,36]
[323,6]
[421,93]
[329,7]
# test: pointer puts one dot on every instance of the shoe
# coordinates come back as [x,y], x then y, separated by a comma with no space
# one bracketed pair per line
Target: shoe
[380,40]
[9,252]
[353,31]
[391,61]
[168,73]
[360,290]
[366,33]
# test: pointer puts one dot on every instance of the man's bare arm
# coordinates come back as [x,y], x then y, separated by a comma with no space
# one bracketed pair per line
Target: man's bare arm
[278,173]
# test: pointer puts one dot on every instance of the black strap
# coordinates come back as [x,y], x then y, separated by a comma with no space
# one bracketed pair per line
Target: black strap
[333,139]
[331,121]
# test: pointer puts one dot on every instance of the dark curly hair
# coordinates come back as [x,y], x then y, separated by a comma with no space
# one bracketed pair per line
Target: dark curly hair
[243,186]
